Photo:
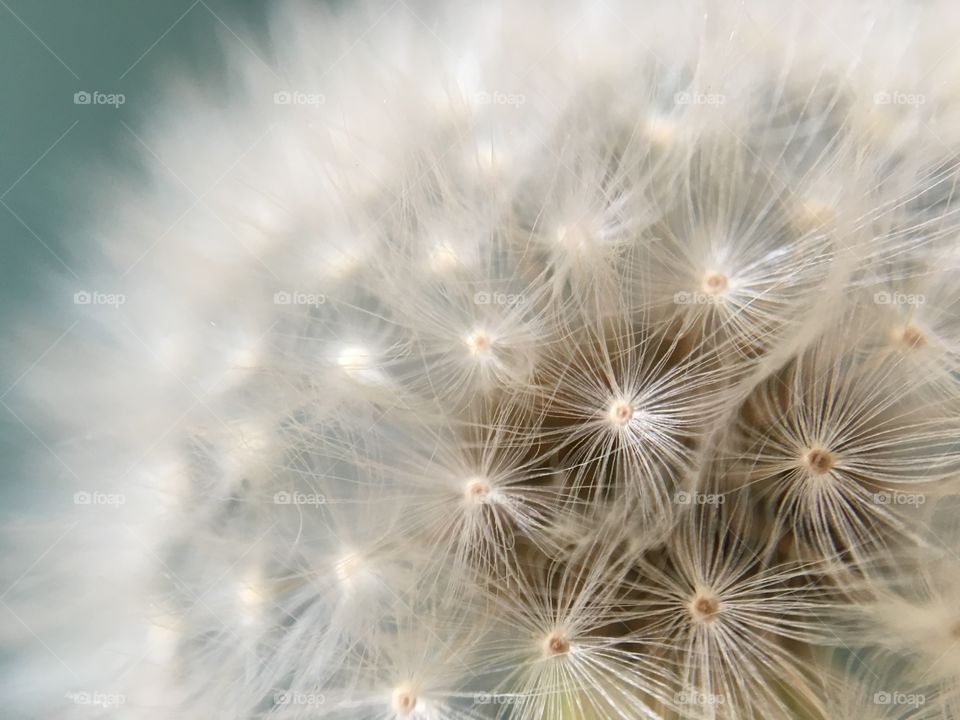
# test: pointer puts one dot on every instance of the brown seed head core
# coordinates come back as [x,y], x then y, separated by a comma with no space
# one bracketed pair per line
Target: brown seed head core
[556,644]
[404,701]
[910,336]
[478,342]
[620,412]
[704,607]
[818,460]
[477,491]
[715,283]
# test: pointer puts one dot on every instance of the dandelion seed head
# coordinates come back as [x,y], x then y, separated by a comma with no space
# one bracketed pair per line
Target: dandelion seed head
[715,283]
[477,491]
[818,461]
[620,412]
[556,644]
[479,343]
[704,607]
[909,336]
[405,701]
[611,365]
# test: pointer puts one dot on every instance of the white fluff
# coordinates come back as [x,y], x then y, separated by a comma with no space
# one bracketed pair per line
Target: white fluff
[523,360]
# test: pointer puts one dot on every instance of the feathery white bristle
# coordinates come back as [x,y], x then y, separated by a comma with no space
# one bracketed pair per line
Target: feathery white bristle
[531,360]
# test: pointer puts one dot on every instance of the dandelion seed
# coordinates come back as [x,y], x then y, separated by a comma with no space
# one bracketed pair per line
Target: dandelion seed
[531,361]
[909,336]
[479,342]
[818,460]
[556,644]
[704,607]
[715,283]
[405,701]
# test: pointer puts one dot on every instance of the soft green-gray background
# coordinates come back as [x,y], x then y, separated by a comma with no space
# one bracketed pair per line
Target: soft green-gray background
[49,50]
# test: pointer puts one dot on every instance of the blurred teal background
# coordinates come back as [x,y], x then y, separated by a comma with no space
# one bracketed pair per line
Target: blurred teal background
[50,50]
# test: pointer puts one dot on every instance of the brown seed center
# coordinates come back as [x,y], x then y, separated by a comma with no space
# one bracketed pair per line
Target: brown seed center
[911,336]
[704,607]
[404,701]
[818,460]
[477,491]
[478,342]
[556,644]
[714,283]
[621,412]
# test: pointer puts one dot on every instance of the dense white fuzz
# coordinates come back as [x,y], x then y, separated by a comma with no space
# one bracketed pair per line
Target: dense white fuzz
[733,269]
[559,651]
[527,360]
[417,663]
[479,495]
[728,623]
[623,403]
[846,446]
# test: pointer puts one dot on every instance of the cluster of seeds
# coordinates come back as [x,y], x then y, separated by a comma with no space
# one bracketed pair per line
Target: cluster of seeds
[600,403]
